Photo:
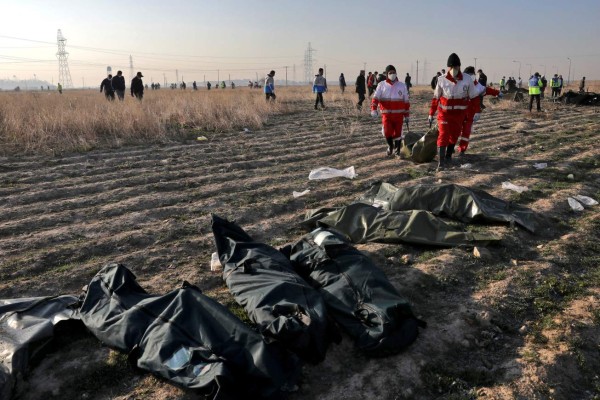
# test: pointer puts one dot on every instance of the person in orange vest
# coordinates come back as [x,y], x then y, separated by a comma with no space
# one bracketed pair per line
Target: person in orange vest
[452,96]
[391,97]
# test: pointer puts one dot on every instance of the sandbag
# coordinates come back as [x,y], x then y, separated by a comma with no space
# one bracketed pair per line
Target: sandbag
[452,201]
[358,294]
[263,281]
[361,223]
[27,327]
[186,337]
[420,148]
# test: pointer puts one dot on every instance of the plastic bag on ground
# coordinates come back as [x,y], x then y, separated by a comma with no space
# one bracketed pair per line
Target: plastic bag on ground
[575,205]
[215,263]
[585,200]
[300,194]
[540,165]
[327,173]
[516,188]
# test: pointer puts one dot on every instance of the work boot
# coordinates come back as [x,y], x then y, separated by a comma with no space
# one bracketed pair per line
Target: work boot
[390,143]
[441,158]
[449,151]
[397,147]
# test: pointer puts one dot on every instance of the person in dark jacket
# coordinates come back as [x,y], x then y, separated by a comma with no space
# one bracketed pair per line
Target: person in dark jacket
[434,80]
[407,83]
[342,83]
[118,83]
[137,86]
[483,81]
[544,85]
[361,88]
[106,86]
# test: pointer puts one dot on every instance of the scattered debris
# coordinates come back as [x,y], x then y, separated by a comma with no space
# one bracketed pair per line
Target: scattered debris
[327,173]
[571,176]
[575,205]
[484,318]
[516,188]
[523,329]
[201,138]
[466,166]
[482,252]
[300,194]
[215,263]
[585,200]
[514,262]
[246,130]
[540,165]
[408,258]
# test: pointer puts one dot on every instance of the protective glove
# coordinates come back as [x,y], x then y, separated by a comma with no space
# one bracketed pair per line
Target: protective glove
[500,95]
[476,117]
[374,113]
[407,120]
[430,119]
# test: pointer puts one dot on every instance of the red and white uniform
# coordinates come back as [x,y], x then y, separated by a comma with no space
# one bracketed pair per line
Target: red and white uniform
[465,135]
[453,99]
[392,100]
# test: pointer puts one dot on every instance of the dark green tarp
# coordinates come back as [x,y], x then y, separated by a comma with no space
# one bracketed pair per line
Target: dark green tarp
[186,337]
[263,281]
[27,328]
[452,201]
[420,148]
[361,223]
[358,294]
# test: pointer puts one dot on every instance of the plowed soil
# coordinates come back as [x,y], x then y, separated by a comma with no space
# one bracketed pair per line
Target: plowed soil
[523,324]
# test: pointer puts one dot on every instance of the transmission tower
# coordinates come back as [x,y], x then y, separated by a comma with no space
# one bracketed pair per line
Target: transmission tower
[308,64]
[131,67]
[64,75]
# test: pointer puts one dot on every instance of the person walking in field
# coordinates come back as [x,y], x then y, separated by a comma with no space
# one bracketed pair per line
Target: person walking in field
[482,81]
[342,83]
[59,88]
[391,97]
[582,85]
[407,80]
[473,112]
[370,82]
[269,87]
[118,83]
[535,90]
[560,84]
[208,85]
[361,88]
[319,87]
[434,80]
[554,84]
[503,83]
[452,96]
[137,86]
[106,86]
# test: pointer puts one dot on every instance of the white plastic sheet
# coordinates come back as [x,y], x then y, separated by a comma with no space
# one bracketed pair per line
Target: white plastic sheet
[466,166]
[575,205]
[516,188]
[327,173]
[300,194]
[585,200]
[215,263]
[540,165]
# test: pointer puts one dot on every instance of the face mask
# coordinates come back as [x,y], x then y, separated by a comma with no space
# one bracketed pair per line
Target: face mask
[454,72]
[392,77]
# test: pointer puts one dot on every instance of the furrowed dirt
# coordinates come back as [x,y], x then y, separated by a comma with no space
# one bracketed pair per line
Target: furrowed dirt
[524,324]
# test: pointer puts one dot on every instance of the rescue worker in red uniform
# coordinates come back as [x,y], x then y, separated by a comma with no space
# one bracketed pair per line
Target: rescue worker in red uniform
[473,112]
[452,95]
[391,97]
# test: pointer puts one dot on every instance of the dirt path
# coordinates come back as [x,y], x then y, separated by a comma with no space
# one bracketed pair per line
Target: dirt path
[524,324]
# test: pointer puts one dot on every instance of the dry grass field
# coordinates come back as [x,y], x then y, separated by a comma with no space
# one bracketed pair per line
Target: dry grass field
[130,183]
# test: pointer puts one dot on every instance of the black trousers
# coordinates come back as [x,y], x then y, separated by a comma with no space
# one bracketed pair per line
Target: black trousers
[361,98]
[270,96]
[319,99]
[554,92]
[537,99]
[139,95]
[110,95]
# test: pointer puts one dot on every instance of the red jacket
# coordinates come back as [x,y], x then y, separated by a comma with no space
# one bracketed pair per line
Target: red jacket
[453,96]
[391,98]
[475,105]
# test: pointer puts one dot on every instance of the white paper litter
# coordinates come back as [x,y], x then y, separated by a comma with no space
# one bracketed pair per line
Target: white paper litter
[466,166]
[215,263]
[518,189]
[585,200]
[575,205]
[300,194]
[541,165]
[326,173]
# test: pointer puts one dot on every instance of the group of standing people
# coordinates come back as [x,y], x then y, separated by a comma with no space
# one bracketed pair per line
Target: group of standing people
[116,84]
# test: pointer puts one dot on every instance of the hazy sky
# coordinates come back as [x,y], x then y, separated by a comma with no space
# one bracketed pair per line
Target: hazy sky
[243,38]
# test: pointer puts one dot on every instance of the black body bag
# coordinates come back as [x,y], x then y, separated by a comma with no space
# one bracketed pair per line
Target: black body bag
[358,294]
[186,337]
[276,298]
